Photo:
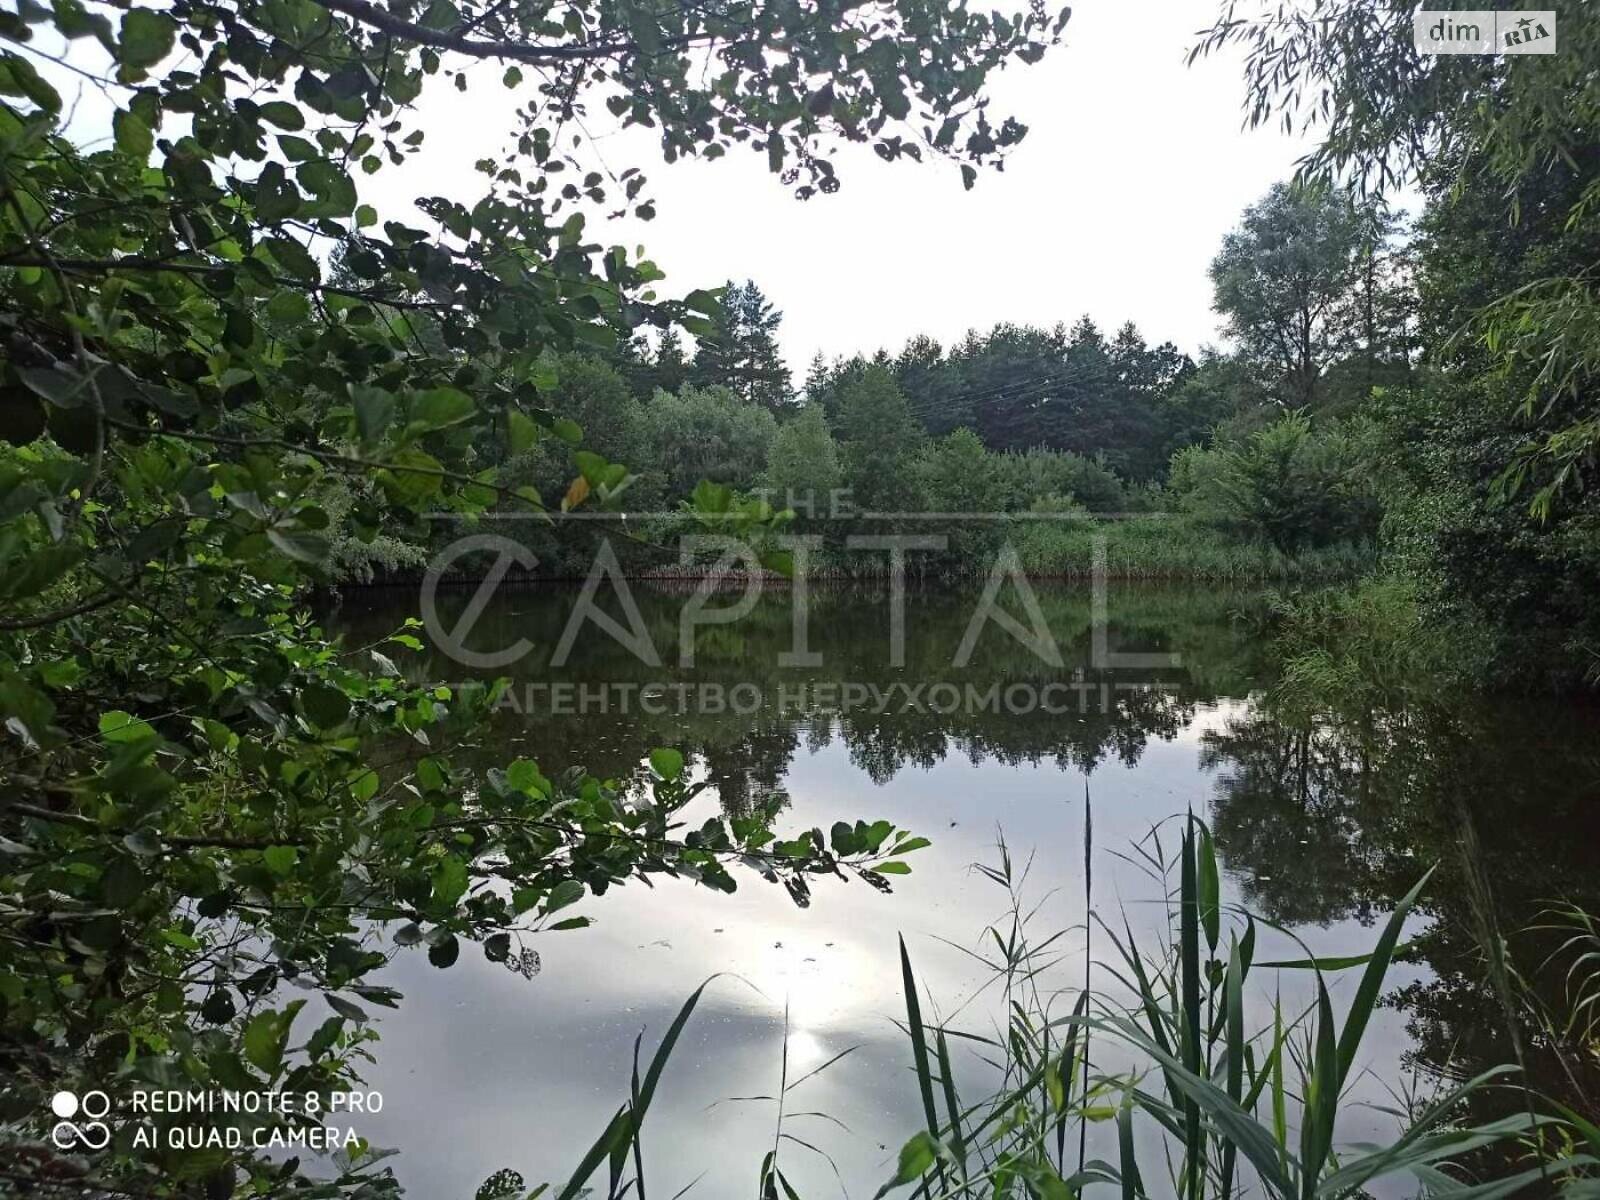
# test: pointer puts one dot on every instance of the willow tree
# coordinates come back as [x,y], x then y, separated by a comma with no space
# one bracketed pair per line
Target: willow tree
[1382,116]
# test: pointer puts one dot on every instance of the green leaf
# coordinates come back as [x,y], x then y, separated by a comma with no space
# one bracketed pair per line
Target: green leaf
[412,477]
[326,705]
[523,776]
[568,891]
[919,1048]
[591,466]
[61,673]
[132,136]
[450,881]
[521,430]
[276,198]
[283,114]
[779,562]
[324,1038]
[1132,1184]
[180,939]
[290,307]
[147,37]
[280,860]
[346,1008]
[300,545]
[374,412]
[60,385]
[143,843]
[19,78]
[711,498]
[917,1157]
[666,763]
[1366,997]
[119,728]
[1189,984]
[122,883]
[335,193]
[444,952]
[218,1008]
[265,1037]
[294,258]
[1209,889]
[441,408]
[39,569]
[625,1125]
[1331,963]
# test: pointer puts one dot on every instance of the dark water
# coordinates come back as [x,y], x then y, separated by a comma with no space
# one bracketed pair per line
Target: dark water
[1156,706]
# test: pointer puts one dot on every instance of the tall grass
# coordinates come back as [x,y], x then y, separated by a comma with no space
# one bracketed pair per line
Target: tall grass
[1177,547]
[1217,1082]
[1216,1096]
[1370,645]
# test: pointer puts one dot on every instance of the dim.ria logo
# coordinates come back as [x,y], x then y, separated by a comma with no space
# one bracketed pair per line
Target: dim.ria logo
[70,1131]
[1485,31]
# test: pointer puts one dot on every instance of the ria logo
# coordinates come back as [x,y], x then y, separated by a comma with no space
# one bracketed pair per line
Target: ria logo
[1520,38]
[92,1134]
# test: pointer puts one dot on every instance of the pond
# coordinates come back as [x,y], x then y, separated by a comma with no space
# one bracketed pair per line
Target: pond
[1153,706]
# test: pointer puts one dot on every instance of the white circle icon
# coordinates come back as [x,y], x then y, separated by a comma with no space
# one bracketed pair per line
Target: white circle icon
[95,1104]
[64,1104]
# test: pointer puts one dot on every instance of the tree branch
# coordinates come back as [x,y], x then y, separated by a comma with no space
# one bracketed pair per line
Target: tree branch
[97,601]
[457,40]
[198,841]
[137,263]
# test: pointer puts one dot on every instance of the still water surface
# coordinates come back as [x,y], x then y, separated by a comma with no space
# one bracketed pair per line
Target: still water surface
[1320,823]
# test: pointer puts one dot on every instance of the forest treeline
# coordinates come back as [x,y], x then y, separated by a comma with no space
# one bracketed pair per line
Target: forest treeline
[1258,459]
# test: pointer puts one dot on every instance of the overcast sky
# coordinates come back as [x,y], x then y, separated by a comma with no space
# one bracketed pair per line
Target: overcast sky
[1133,169]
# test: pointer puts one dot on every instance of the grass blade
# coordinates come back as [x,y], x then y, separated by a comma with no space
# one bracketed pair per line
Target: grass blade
[1189,970]
[1355,1024]
[919,1046]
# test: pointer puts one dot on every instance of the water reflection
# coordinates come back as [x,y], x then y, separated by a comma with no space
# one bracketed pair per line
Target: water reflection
[1334,818]
[1323,819]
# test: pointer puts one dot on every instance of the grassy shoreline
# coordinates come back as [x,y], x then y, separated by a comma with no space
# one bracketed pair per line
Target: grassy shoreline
[1154,549]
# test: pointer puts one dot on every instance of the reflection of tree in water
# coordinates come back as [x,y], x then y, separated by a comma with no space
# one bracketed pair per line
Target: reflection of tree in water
[748,755]
[748,773]
[1294,811]
[1336,817]
[881,744]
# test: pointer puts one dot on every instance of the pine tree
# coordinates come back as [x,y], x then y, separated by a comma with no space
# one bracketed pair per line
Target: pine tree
[819,378]
[741,352]
[670,367]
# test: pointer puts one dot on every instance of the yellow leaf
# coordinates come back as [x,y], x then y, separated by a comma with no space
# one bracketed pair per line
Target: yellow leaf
[576,494]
